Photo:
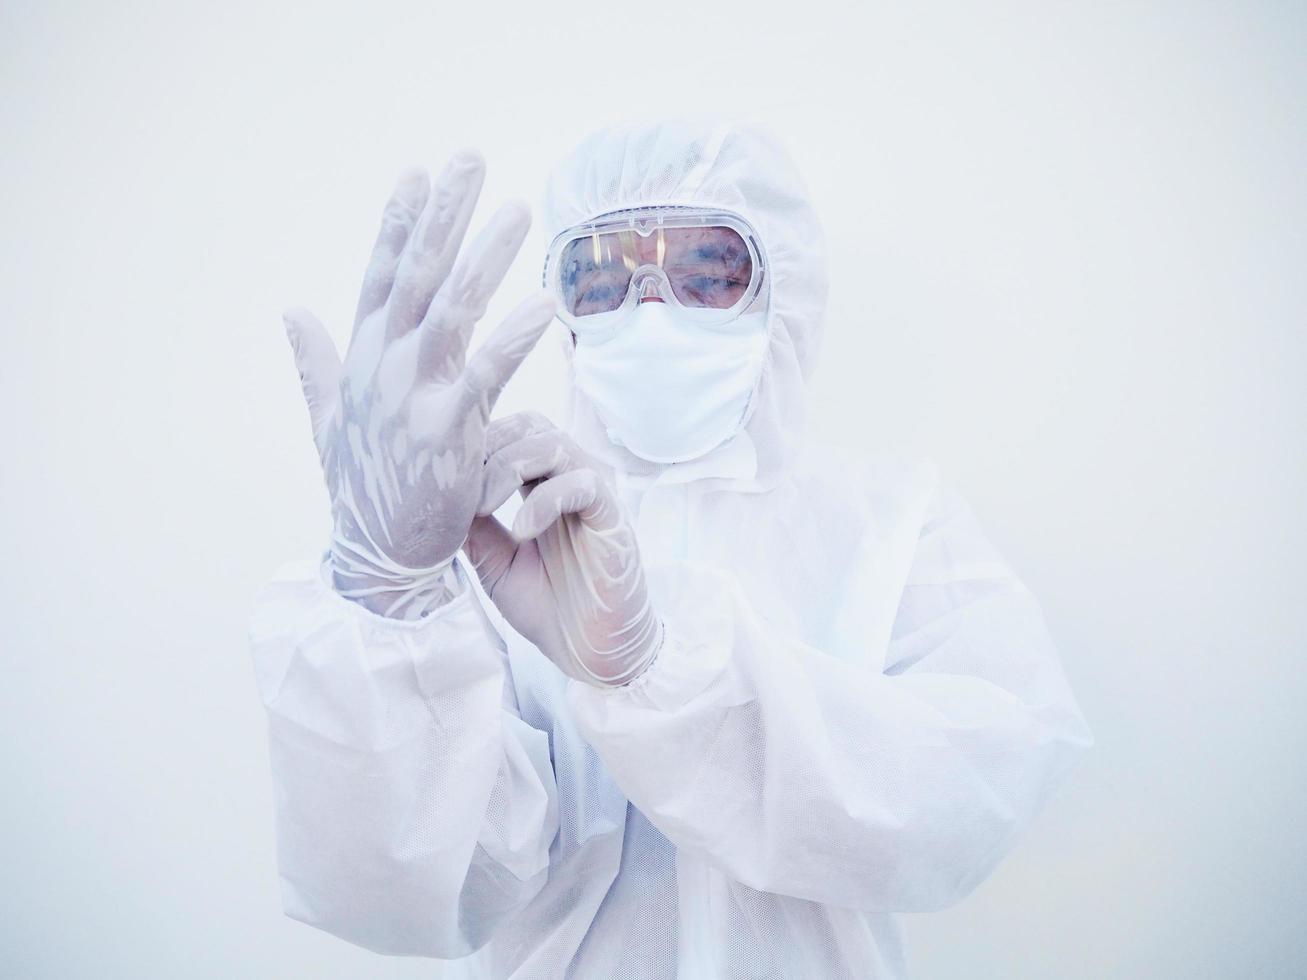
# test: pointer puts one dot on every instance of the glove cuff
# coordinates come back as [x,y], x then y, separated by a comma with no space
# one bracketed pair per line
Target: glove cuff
[628,666]
[388,588]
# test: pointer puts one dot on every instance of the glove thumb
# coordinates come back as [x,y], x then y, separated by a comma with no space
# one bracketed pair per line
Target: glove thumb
[319,368]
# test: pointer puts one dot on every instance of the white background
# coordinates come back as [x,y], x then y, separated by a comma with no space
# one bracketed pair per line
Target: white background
[1068,263]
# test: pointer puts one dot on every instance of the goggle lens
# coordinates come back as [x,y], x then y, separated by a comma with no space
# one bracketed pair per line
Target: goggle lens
[707,267]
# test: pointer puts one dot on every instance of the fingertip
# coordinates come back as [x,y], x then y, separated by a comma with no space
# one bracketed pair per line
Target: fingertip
[411,183]
[518,211]
[467,158]
[521,529]
[549,301]
[291,318]
[487,506]
[463,174]
[540,306]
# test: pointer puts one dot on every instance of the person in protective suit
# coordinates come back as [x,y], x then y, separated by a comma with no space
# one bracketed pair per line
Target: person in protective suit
[669,692]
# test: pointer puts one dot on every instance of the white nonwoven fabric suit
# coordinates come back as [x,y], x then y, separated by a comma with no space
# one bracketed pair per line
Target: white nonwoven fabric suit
[855,710]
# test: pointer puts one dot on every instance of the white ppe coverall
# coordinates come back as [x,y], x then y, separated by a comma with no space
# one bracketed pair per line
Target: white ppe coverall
[855,712]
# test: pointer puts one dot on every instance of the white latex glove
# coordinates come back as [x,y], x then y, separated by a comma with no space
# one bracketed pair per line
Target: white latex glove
[400,426]
[568,575]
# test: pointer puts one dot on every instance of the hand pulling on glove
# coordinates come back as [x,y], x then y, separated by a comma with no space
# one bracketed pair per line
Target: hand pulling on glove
[568,575]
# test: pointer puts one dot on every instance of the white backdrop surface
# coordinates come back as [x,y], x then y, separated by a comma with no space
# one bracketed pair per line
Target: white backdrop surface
[1068,262]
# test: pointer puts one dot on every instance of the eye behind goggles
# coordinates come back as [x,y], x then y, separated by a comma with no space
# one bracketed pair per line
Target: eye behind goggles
[708,263]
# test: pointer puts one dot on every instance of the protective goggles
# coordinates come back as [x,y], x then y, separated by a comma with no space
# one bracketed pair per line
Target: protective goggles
[708,263]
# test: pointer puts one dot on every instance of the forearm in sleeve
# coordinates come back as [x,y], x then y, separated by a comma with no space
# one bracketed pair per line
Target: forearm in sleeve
[414,808]
[892,784]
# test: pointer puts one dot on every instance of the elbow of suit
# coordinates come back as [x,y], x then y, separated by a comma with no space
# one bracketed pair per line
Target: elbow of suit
[388,941]
[397,915]
[946,865]
[384,927]
[942,857]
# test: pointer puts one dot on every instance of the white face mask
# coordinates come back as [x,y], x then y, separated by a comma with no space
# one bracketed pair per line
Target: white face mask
[669,389]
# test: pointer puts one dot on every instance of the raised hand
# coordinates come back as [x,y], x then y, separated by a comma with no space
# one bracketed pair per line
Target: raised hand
[400,425]
[567,576]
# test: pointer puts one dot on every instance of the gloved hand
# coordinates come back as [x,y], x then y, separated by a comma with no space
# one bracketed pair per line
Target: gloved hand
[568,575]
[400,426]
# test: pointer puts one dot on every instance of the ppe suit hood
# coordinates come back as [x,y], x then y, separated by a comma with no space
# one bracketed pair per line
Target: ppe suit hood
[734,167]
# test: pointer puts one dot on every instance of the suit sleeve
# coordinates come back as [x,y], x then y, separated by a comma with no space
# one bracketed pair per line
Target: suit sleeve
[415,809]
[893,782]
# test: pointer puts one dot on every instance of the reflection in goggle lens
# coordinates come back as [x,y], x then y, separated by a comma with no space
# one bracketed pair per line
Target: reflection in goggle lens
[707,267]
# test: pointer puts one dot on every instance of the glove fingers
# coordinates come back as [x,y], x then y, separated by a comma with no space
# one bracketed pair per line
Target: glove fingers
[534,457]
[579,492]
[319,368]
[397,222]
[461,300]
[513,427]
[504,351]
[434,244]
